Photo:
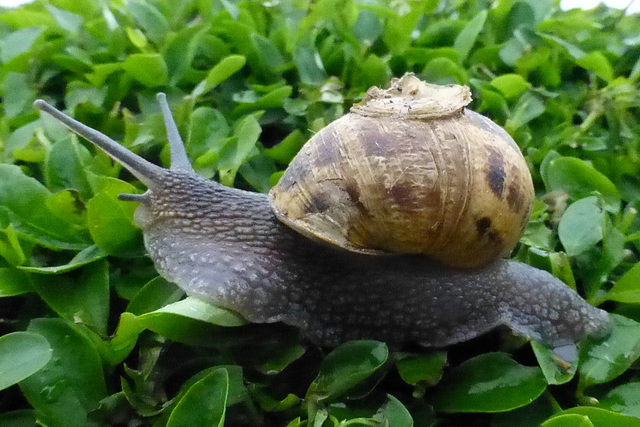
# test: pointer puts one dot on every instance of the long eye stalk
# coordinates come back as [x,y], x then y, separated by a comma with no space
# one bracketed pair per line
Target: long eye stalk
[148,173]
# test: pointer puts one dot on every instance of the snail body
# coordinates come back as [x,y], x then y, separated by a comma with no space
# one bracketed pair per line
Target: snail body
[226,246]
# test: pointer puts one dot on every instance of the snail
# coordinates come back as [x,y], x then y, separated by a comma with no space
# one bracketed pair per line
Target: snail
[302,258]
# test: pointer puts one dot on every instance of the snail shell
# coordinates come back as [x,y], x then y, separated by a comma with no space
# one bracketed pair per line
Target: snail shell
[410,170]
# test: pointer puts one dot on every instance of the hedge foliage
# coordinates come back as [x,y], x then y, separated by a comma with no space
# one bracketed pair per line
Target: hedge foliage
[91,336]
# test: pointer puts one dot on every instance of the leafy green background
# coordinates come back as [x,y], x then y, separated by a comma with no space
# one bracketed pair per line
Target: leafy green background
[91,336]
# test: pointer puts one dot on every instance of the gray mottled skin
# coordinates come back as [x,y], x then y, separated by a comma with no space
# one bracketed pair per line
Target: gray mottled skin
[225,246]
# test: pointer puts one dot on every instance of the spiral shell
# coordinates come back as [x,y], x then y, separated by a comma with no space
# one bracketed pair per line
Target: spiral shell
[410,170]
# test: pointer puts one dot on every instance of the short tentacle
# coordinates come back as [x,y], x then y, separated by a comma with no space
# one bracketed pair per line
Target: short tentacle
[179,158]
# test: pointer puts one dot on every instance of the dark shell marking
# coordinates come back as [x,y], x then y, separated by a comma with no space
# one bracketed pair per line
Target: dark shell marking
[496,174]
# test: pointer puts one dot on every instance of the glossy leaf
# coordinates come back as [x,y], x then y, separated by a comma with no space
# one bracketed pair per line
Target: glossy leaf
[82,297]
[591,416]
[510,85]
[220,72]
[627,288]
[556,370]
[154,295]
[150,69]
[624,399]
[72,384]
[347,366]
[427,368]
[580,180]
[190,321]
[491,382]
[21,355]
[82,258]
[394,413]
[110,222]
[568,420]
[604,360]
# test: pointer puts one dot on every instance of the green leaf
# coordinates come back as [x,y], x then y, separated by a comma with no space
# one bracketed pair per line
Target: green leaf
[193,308]
[268,52]
[510,85]
[237,149]
[580,180]
[555,369]
[82,258]
[147,68]
[394,413]
[491,382]
[17,94]
[23,204]
[581,226]
[65,167]
[287,149]
[219,73]
[280,357]
[10,248]
[528,108]
[427,368]
[598,63]
[606,359]
[204,403]
[624,399]
[627,288]
[21,355]
[191,321]
[72,384]
[153,296]
[347,366]
[80,297]
[118,348]
[568,420]
[13,282]
[66,205]
[209,130]
[19,418]
[309,67]
[110,221]
[19,42]
[591,417]
[444,71]
[149,18]
[181,51]
[67,20]
[467,37]
[273,99]
[258,171]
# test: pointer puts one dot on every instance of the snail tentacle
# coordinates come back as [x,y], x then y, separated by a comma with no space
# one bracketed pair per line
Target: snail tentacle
[179,158]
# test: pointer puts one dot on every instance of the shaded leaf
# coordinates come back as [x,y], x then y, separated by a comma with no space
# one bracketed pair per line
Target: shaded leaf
[347,366]
[204,403]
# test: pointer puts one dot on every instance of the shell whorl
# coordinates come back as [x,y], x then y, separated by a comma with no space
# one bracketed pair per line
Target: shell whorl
[426,177]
